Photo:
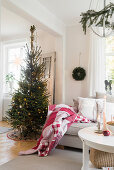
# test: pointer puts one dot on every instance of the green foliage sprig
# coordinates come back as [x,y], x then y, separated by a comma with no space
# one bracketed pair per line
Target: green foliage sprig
[97,17]
[10,77]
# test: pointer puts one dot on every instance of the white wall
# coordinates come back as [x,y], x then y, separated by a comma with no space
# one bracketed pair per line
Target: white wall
[50,43]
[76,42]
[46,41]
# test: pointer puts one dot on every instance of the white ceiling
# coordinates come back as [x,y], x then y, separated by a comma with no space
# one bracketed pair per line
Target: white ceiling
[14,26]
[68,10]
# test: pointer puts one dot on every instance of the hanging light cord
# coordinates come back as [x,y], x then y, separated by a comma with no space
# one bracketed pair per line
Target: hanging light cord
[97,4]
[90,4]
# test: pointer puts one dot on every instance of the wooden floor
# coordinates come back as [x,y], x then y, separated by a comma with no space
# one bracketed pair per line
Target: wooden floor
[9,149]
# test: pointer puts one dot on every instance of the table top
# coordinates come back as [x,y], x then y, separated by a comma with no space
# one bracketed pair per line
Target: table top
[97,141]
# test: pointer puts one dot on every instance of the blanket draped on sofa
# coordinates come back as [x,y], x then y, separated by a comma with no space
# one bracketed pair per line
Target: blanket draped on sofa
[59,119]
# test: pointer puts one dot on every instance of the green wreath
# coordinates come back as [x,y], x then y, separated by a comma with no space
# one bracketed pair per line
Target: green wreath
[78,73]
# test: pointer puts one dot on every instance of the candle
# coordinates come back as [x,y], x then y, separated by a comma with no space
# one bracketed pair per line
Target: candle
[98,118]
[104,112]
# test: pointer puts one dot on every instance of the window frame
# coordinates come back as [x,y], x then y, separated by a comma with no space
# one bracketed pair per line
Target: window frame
[109,54]
[6,47]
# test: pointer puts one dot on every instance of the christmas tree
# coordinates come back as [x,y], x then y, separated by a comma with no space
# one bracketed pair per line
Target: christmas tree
[30,102]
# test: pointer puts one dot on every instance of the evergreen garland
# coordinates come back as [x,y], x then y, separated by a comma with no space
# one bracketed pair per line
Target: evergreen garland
[92,17]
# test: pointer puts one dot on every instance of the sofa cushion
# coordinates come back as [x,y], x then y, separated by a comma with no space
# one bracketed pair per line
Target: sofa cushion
[76,104]
[90,108]
[109,111]
[75,127]
[109,98]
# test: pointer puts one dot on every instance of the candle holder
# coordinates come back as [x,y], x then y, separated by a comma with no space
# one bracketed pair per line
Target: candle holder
[99,131]
[104,116]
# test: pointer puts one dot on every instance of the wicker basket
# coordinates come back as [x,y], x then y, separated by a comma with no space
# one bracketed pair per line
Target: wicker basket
[101,159]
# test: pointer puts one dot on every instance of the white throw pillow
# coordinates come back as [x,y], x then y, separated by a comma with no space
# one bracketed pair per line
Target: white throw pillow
[90,108]
[109,111]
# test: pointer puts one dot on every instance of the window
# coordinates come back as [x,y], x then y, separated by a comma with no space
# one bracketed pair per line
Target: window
[110,60]
[14,59]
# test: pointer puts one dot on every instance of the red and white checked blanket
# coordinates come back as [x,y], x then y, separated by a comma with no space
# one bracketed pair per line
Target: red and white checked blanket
[59,119]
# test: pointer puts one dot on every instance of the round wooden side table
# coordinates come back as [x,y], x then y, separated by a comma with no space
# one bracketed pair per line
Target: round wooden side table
[96,141]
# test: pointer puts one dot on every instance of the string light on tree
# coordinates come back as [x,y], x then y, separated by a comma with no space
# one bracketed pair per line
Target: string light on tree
[20,106]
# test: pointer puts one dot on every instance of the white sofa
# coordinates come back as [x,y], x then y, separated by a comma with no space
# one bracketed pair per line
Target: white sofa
[71,138]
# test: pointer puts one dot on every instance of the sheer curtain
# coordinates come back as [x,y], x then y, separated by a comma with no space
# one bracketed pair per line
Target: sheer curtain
[1,71]
[96,64]
[1,83]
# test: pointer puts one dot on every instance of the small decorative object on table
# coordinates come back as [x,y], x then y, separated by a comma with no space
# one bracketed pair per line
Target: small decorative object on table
[99,131]
[105,131]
